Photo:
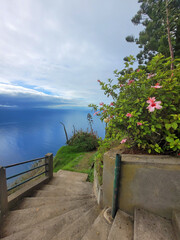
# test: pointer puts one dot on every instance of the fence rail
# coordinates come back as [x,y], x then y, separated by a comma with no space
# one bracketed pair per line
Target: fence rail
[19,174]
[25,181]
[48,171]
[17,164]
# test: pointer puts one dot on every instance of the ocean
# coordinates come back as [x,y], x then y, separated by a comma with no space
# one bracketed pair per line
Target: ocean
[31,133]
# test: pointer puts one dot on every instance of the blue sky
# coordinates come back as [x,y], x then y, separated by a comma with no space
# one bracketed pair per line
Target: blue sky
[53,52]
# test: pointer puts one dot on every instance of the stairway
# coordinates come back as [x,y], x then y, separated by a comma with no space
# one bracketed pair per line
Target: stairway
[65,209]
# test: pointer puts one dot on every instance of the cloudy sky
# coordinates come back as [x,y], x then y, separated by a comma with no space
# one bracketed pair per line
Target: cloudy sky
[53,52]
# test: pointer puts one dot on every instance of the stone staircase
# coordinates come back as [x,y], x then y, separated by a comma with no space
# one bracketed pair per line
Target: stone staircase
[65,209]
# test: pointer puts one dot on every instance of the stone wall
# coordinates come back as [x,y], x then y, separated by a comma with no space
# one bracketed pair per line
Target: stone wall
[151,182]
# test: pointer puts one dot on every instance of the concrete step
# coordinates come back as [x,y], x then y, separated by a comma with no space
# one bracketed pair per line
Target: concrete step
[57,179]
[176,223]
[148,226]
[122,227]
[85,188]
[99,229]
[49,228]
[78,228]
[20,219]
[72,175]
[64,193]
[31,202]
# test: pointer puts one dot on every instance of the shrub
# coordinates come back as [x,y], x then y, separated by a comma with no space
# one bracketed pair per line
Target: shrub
[144,112]
[84,141]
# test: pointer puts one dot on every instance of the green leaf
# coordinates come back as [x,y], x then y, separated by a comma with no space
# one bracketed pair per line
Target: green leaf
[174,125]
[153,129]
[157,150]
[158,126]
[173,107]
[167,126]
[168,139]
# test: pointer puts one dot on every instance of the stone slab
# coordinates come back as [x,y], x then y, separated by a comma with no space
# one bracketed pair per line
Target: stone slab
[30,202]
[122,228]
[78,228]
[176,223]
[148,226]
[72,175]
[99,229]
[21,219]
[49,228]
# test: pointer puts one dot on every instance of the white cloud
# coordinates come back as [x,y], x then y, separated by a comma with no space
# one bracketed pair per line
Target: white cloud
[64,46]
[23,97]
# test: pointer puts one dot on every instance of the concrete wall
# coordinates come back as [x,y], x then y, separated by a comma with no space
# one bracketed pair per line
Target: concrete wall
[148,181]
[97,188]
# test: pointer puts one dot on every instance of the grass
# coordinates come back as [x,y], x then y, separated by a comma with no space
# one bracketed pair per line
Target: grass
[67,158]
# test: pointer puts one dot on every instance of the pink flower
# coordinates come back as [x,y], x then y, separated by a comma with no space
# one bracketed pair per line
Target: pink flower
[111,104]
[130,81]
[124,140]
[111,116]
[153,104]
[156,86]
[121,85]
[151,100]
[151,75]
[99,81]
[96,113]
[128,115]
[139,123]
[138,70]
[101,103]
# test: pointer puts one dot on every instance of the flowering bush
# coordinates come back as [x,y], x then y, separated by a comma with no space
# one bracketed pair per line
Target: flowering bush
[83,141]
[145,108]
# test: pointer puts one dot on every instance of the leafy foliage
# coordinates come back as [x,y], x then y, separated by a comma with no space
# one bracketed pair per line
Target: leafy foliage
[145,108]
[154,38]
[83,141]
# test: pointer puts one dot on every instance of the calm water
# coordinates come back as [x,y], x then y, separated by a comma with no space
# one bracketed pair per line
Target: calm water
[28,134]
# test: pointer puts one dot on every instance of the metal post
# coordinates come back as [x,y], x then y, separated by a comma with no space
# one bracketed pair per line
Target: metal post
[3,192]
[49,166]
[116,184]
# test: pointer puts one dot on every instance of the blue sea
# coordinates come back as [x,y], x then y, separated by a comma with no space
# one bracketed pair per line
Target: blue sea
[28,134]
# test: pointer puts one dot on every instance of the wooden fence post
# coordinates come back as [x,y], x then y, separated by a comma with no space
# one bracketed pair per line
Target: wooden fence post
[3,192]
[49,166]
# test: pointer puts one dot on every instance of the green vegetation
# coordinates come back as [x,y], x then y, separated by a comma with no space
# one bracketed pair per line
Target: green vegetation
[80,152]
[83,141]
[144,116]
[145,110]
[71,159]
[161,33]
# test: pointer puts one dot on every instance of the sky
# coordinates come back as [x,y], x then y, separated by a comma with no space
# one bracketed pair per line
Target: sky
[53,52]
